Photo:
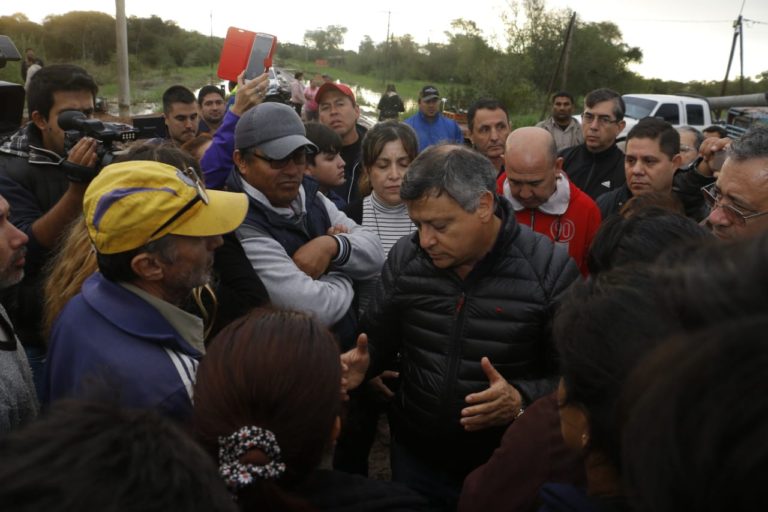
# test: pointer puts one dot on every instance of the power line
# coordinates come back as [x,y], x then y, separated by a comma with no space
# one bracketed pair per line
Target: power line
[672,21]
[633,20]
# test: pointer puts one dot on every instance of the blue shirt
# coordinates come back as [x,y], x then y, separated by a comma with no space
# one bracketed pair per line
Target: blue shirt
[431,132]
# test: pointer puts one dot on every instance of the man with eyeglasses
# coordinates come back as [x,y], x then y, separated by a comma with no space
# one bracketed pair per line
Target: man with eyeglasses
[739,198]
[124,338]
[597,165]
[306,252]
[690,142]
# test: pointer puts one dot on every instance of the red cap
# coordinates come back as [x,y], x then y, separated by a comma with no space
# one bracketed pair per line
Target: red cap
[343,89]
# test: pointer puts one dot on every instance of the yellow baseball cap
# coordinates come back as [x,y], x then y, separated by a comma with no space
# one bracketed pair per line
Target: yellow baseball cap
[132,203]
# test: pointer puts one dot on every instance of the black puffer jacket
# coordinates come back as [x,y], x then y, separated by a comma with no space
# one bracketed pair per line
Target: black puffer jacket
[442,326]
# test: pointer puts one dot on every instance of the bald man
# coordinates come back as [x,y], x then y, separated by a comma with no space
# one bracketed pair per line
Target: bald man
[543,197]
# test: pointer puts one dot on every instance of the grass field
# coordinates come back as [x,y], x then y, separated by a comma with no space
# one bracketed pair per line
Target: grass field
[148,84]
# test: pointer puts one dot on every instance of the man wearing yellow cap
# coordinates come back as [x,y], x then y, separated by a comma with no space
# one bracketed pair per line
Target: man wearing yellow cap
[124,338]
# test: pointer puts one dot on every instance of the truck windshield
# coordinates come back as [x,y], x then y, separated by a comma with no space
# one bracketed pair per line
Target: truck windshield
[638,108]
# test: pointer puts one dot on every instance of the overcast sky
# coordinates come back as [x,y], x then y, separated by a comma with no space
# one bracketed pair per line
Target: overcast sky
[680,39]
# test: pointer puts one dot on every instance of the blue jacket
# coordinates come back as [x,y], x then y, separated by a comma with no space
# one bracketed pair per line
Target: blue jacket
[434,132]
[217,162]
[109,343]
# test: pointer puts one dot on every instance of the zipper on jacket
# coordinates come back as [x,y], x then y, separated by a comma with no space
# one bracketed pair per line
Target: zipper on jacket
[455,356]
[460,304]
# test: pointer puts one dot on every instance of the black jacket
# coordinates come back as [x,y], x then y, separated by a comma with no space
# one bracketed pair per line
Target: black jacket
[32,181]
[594,173]
[351,154]
[442,326]
[390,107]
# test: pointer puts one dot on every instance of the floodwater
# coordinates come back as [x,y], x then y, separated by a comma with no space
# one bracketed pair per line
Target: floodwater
[367,99]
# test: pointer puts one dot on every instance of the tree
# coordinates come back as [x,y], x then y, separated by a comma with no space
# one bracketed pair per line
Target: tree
[598,58]
[80,35]
[23,33]
[326,41]
[367,58]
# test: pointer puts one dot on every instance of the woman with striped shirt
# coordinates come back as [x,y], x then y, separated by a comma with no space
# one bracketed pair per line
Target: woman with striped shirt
[387,150]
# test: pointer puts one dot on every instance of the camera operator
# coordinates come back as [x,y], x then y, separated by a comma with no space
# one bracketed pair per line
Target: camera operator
[43,201]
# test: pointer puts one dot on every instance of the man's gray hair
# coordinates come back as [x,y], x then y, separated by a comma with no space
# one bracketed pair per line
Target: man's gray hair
[462,173]
[698,136]
[753,144]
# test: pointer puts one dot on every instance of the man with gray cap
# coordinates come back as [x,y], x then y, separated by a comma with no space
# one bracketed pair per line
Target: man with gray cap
[306,252]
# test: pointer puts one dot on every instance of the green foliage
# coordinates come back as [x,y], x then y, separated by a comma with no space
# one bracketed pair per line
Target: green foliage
[464,68]
[23,33]
[326,42]
[84,35]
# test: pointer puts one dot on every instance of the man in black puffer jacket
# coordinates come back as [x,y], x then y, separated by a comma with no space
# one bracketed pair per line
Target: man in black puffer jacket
[466,303]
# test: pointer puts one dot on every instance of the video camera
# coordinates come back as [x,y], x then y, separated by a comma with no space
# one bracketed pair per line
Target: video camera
[76,126]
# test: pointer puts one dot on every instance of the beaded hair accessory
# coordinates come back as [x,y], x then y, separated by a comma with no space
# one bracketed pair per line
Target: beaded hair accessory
[232,447]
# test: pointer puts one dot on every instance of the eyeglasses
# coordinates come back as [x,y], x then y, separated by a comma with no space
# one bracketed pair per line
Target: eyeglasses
[684,148]
[713,197]
[190,178]
[298,157]
[589,118]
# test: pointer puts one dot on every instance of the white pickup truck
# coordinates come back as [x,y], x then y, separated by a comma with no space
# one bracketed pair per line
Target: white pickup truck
[676,110]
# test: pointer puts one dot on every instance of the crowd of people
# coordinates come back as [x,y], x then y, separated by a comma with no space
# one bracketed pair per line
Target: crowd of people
[219,319]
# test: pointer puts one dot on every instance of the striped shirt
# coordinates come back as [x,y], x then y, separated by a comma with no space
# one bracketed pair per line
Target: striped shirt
[390,223]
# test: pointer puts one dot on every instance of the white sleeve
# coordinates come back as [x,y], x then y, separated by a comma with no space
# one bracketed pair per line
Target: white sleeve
[328,297]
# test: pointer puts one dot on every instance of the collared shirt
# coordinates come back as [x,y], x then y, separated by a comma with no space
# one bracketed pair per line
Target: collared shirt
[564,138]
[189,326]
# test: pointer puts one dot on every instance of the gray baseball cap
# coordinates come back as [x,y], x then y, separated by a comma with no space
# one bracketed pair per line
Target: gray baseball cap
[273,128]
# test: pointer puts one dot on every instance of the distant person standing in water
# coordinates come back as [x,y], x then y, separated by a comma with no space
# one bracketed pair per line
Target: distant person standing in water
[310,106]
[390,104]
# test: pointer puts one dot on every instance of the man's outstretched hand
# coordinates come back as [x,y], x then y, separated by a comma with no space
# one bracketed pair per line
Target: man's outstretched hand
[354,364]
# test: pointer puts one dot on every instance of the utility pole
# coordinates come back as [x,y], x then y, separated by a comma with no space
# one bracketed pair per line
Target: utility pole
[124,87]
[737,32]
[741,53]
[567,53]
[210,53]
[387,66]
[738,28]
[563,58]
